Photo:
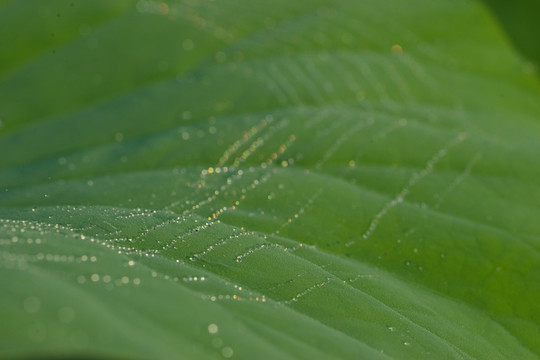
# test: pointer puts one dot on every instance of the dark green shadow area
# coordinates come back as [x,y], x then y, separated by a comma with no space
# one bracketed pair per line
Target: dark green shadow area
[520,20]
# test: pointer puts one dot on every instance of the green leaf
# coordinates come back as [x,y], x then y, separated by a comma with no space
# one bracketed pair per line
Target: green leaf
[239,179]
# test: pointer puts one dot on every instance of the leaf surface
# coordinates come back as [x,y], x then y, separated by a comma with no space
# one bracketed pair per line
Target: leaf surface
[201,179]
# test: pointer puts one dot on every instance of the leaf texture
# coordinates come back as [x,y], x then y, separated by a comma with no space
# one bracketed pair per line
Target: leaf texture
[239,179]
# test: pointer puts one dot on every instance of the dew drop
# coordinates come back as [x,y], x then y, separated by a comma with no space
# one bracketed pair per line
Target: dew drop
[187,44]
[66,315]
[397,49]
[212,329]
[31,304]
[37,332]
[227,352]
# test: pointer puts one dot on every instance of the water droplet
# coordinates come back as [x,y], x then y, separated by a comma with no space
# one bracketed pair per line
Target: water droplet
[163,65]
[227,352]
[66,315]
[397,49]
[217,342]
[186,115]
[221,57]
[31,304]
[37,332]
[187,44]
[212,329]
